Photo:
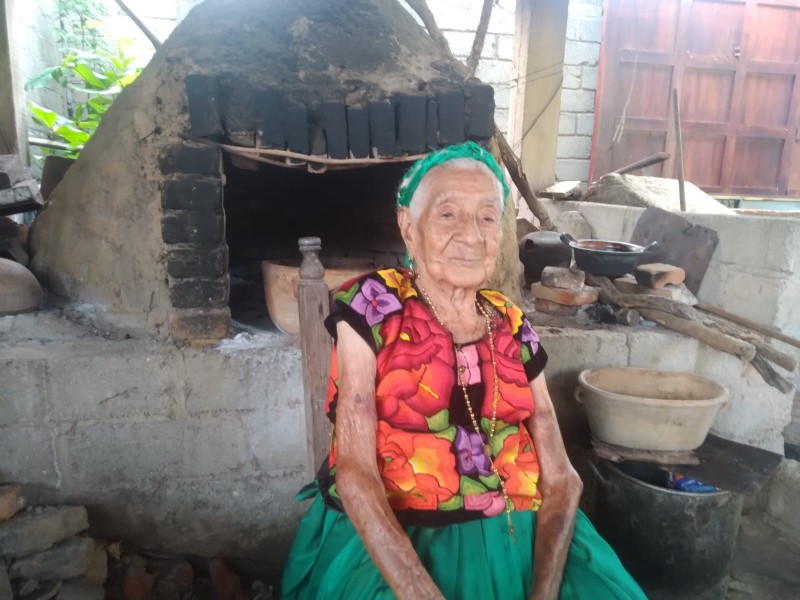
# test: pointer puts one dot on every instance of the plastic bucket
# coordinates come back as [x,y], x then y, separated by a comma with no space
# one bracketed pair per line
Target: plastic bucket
[675,544]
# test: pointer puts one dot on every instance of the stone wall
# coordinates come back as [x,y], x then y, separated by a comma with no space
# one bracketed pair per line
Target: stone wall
[581,59]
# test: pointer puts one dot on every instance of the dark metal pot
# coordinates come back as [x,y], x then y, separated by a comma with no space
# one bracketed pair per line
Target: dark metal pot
[604,258]
[542,249]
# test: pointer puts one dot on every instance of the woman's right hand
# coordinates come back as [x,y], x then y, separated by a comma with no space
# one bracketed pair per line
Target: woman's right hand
[358,480]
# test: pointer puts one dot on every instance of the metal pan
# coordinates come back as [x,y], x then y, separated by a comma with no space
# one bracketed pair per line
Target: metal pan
[607,258]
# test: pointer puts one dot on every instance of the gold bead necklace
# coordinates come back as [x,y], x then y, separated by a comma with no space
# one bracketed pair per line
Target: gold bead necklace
[488,446]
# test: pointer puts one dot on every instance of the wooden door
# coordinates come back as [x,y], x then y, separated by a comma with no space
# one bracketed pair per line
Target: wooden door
[736,64]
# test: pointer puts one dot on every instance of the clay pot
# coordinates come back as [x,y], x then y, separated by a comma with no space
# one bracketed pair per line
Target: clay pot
[542,249]
[19,290]
[282,278]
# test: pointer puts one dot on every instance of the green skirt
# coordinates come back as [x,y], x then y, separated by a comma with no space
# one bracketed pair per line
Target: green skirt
[477,559]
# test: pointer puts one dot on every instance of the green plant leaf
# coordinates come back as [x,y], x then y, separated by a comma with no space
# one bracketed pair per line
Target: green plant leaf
[44,78]
[42,115]
[72,135]
[96,80]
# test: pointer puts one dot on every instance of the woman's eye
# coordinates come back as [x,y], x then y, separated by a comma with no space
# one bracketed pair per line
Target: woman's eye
[447,215]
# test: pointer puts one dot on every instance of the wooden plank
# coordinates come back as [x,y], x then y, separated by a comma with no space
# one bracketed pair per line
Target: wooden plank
[315,346]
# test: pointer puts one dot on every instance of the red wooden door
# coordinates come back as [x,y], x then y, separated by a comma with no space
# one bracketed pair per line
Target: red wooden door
[736,64]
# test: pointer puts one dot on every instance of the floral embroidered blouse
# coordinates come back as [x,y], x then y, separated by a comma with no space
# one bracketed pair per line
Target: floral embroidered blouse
[429,455]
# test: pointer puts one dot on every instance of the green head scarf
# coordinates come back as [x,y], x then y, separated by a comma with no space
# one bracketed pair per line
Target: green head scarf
[419,169]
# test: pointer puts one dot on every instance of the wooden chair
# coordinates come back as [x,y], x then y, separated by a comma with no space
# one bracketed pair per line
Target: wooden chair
[313,301]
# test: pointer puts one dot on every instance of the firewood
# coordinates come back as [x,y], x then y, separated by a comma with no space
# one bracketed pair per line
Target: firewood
[768,331]
[770,375]
[716,339]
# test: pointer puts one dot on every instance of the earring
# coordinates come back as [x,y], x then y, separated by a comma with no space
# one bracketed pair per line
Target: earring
[412,268]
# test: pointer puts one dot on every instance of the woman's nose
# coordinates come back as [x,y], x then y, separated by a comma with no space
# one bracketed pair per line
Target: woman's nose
[470,231]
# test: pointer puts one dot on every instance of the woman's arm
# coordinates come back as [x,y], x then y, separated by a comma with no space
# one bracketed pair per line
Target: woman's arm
[561,489]
[357,478]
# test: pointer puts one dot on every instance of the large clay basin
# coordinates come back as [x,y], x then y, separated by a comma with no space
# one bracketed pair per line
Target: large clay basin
[282,277]
[648,409]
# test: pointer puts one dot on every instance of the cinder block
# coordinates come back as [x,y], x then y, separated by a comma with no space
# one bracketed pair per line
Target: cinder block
[572,78]
[574,147]
[585,125]
[783,247]
[25,455]
[589,78]
[382,127]
[753,295]
[36,531]
[494,71]
[578,101]
[566,124]
[64,561]
[451,116]
[505,47]
[581,53]
[571,169]
[411,114]
[590,29]
[358,131]
[660,349]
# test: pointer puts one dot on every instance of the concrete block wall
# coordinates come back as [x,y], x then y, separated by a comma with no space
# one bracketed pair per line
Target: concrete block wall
[581,59]
[189,451]
[458,24]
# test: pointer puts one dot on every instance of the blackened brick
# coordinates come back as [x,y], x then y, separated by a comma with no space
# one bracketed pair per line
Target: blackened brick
[270,118]
[204,114]
[382,127]
[316,137]
[334,120]
[197,292]
[358,131]
[432,125]
[192,226]
[296,128]
[479,109]
[197,260]
[183,158]
[451,116]
[412,111]
[238,110]
[192,192]
[188,325]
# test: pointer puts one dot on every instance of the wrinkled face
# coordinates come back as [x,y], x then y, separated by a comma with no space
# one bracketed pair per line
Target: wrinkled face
[456,236]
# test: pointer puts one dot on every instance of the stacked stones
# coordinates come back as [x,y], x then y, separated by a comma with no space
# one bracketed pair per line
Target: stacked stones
[42,553]
[562,292]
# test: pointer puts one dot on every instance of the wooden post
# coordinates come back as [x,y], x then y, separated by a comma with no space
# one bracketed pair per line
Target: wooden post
[315,346]
[679,148]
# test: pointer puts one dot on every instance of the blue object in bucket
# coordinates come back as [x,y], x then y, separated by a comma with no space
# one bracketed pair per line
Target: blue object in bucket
[681,483]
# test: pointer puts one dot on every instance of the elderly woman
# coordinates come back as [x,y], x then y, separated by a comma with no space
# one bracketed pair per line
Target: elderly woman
[447,476]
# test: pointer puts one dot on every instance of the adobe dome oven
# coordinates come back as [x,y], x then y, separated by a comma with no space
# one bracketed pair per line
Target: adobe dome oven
[256,123]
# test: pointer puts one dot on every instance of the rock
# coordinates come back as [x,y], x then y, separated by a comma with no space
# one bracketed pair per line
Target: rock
[644,191]
[19,290]
[227,585]
[64,561]
[27,587]
[5,583]
[81,590]
[45,591]
[587,295]
[573,223]
[553,308]
[560,277]
[627,316]
[11,501]
[35,531]
[97,570]
[657,275]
